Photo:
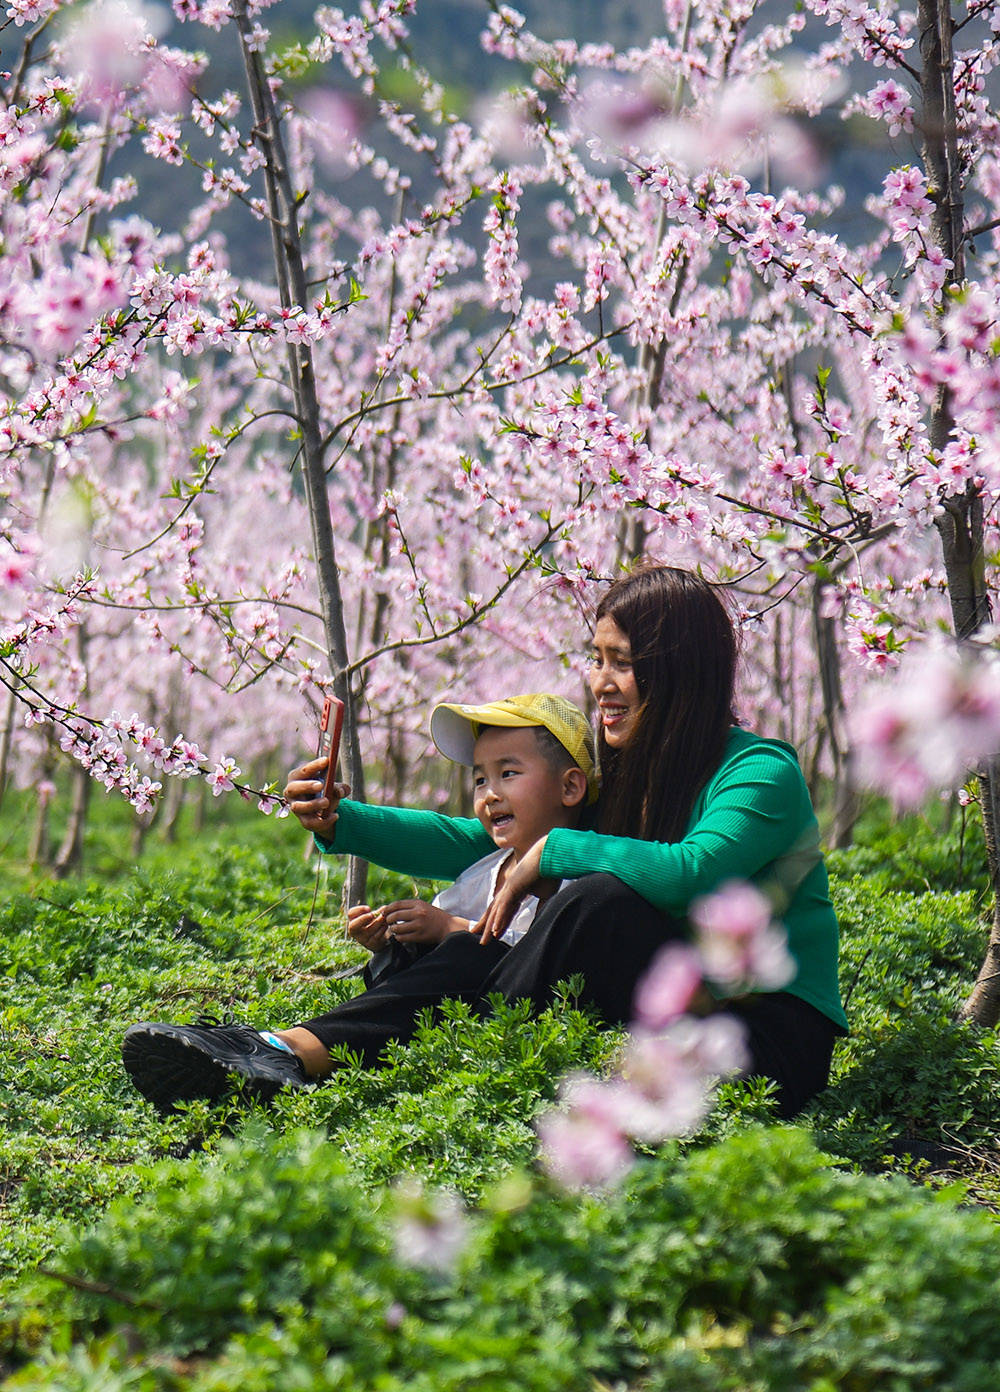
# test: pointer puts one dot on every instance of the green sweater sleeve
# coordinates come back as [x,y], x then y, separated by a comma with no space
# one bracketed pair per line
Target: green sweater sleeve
[425,844]
[752,821]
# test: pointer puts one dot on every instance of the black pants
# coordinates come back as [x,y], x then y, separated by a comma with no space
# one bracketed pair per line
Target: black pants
[601,930]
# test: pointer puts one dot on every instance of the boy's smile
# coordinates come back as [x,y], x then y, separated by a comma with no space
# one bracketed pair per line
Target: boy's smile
[517,795]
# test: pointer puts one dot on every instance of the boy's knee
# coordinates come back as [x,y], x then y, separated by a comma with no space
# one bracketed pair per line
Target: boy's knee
[603,909]
[602,892]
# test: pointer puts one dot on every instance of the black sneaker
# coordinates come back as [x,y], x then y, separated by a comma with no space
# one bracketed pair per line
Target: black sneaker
[178,1063]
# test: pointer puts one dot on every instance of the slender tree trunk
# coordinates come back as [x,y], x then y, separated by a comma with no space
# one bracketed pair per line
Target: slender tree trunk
[631,541]
[40,842]
[6,743]
[69,856]
[960,524]
[70,853]
[846,802]
[983,1005]
[141,824]
[293,286]
[780,678]
[170,809]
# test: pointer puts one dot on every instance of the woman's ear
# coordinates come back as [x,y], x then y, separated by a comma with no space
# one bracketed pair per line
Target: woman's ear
[574,789]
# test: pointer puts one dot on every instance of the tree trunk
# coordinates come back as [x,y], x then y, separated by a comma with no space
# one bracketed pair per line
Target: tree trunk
[960,524]
[632,533]
[40,843]
[6,742]
[141,824]
[170,810]
[983,1005]
[293,286]
[846,802]
[69,856]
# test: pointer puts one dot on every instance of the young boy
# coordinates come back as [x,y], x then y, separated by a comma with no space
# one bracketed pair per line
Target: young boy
[533,770]
[527,779]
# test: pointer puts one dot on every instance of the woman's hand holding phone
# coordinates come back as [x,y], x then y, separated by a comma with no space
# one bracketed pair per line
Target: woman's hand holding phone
[305,797]
[312,791]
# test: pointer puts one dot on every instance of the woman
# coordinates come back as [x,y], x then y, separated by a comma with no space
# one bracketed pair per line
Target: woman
[689,801]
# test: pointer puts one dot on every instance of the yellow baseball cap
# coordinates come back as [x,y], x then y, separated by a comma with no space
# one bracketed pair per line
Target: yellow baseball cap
[455,728]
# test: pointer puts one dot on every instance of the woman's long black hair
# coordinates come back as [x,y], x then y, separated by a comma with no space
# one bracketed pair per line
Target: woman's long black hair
[684,653]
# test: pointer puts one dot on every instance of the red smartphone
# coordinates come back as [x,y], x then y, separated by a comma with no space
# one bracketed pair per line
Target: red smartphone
[331,722]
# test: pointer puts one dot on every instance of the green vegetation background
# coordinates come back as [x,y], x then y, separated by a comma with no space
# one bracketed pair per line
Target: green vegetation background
[256,1247]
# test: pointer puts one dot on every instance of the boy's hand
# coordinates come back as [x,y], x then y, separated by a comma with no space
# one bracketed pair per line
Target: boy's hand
[303,793]
[368,927]
[414,921]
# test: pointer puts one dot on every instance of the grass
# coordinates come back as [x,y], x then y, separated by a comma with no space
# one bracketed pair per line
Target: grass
[232,918]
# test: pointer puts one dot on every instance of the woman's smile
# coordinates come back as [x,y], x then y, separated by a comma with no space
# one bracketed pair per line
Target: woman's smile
[612,682]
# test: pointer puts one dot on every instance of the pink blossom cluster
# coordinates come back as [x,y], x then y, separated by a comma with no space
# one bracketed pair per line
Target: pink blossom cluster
[872,31]
[350,37]
[57,308]
[501,264]
[936,720]
[905,193]
[431,1227]
[703,365]
[52,616]
[106,760]
[106,49]
[871,636]
[888,102]
[737,941]
[664,1083]
[30,11]
[100,748]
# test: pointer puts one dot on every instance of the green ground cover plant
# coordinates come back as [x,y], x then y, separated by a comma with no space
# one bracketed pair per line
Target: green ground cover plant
[238,1248]
[753,1264]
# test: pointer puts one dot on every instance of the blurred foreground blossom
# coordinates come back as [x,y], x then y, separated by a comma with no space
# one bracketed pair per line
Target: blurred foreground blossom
[670,1074]
[332,125]
[105,47]
[505,121]
[15,564]
[738,944]
[431,1228]
[673,1060]
[583,1143]
[669,987]
[926,728]
[753,121]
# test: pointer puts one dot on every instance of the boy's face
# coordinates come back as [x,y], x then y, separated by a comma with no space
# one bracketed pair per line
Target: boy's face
[517,794]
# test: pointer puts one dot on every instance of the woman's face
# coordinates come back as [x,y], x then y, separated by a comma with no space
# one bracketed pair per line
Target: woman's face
[613,684]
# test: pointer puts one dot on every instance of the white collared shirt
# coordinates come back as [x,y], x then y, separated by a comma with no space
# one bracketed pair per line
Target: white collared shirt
[469,897]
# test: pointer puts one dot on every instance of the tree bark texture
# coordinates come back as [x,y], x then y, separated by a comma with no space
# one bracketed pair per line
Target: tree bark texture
[983,1004]
[960,524]
[293,287]
[70,853]
[6,740]
[846,802]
